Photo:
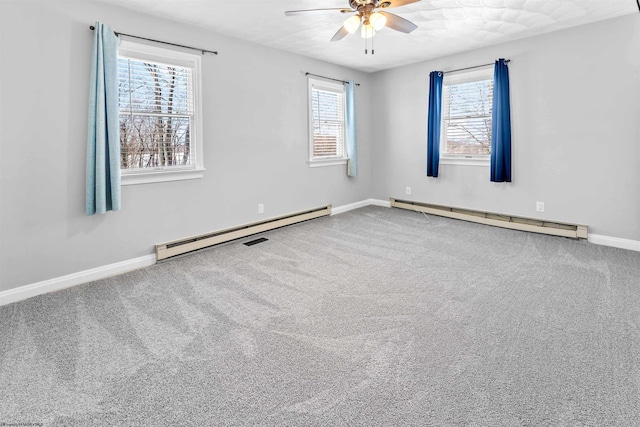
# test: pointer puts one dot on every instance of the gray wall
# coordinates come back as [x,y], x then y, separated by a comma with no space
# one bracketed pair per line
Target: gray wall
[575,123]
[576,135]
[255,130]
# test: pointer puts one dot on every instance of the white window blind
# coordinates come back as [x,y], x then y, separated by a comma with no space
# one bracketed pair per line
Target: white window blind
[328,128]
[156,114]
[466,118]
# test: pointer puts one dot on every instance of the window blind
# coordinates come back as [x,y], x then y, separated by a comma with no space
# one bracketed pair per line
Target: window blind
[467,117]
[328,122]
[156,114]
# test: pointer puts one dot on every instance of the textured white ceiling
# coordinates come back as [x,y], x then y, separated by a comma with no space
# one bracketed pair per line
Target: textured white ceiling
[444,26]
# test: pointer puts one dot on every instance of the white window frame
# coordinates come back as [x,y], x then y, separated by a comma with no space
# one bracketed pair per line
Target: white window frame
[462,159]
[333,87]
[141,51]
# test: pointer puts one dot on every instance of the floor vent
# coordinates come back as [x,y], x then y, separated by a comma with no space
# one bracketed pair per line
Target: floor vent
[255,242]
[516,223]
[190,244]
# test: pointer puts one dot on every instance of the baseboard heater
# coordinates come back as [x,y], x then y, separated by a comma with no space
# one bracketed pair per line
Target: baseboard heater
[190,244]
[506,221]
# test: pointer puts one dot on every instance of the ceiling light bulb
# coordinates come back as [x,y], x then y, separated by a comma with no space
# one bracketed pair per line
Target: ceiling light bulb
[352,24]
[367,31]
[378,21]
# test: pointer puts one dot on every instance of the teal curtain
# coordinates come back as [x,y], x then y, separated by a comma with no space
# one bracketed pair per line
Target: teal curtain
[352,145]
[103,142]
[501,124]
[434,120]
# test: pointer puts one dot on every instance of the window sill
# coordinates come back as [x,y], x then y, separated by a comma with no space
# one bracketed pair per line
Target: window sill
[331,162]
[466,161]
[160,175]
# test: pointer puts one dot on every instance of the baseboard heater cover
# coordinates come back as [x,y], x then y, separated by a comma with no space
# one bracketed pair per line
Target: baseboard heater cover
[506,221]
[190,244]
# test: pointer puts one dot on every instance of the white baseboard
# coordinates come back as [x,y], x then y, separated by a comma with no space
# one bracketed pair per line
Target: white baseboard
[360,204]
[616,242]
[27,291]
[378,202]
[58,283]
[74,279]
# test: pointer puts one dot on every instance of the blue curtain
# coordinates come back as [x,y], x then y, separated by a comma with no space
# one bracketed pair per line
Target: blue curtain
[434,122]
[103,142]
[501,125]
[352,144]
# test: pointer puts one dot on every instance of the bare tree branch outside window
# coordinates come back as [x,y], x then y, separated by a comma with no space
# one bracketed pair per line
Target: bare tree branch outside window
[156,114]
[467,117]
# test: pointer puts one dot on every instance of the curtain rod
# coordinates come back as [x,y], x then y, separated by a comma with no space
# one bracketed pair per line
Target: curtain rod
[160,41]
[475,66]
[328,78]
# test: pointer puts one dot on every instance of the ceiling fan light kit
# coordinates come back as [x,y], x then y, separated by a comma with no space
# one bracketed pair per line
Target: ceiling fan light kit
[378,20]
[366,13]
[352,24]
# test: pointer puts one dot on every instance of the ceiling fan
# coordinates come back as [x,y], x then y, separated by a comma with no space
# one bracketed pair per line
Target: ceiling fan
[369,14]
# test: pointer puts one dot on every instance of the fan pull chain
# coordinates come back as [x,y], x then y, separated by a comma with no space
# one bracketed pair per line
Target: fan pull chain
[365,41]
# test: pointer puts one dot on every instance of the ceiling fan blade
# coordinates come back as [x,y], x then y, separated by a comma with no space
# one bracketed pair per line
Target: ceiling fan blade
[340,34]
[398,3]
[316,11]
[399,24]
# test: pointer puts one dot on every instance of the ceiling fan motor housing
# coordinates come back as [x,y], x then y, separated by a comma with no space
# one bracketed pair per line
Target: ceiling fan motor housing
[365,8]
[357,4]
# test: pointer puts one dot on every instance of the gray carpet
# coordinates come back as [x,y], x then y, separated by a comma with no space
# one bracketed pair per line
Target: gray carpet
[373,317]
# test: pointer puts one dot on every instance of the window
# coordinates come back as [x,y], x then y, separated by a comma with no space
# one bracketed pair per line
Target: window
[326,123]
[466,118]
[160,128]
